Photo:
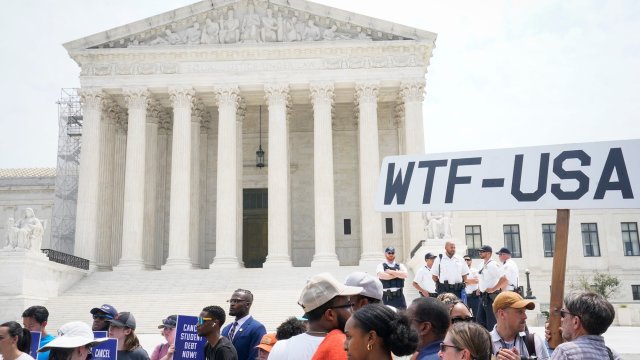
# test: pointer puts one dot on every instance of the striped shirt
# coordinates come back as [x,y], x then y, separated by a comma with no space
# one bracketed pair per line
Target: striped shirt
[585,347]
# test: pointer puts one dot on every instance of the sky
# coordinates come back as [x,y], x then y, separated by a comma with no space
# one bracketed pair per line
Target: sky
[503,73]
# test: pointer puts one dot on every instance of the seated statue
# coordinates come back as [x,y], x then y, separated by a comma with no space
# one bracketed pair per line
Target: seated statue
[438,225]
[26,233]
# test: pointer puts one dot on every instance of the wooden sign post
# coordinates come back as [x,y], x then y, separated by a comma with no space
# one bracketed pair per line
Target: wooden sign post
[558,276]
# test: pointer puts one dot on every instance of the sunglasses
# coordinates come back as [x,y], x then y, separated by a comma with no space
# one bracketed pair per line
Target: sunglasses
[201,320]
[462,319]
[347,305]
[391,252]
[235,301]
[564,313]
[443,347]
[102,317]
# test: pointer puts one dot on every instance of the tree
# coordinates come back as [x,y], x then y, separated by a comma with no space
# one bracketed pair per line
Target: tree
[601,283]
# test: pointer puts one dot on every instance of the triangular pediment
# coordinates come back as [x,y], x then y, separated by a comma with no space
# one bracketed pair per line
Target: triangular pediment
[225,22]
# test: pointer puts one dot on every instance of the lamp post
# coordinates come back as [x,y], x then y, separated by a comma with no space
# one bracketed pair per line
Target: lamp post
[529,294]
[260,152]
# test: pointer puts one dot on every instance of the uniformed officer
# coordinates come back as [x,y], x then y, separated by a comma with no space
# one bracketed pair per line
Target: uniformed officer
[492,280]
[510,269]
[392,276]
[450,271]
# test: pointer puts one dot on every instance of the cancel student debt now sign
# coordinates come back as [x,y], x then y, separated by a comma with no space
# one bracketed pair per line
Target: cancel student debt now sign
[573,176]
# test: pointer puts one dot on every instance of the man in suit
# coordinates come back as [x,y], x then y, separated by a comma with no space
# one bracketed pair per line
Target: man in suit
[245,332]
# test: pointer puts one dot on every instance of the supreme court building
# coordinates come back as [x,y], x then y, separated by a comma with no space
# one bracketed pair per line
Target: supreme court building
[176,107]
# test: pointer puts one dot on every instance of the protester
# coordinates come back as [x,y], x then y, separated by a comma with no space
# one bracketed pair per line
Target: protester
[423,281]
[583,320]
[290,328]
[430,319]
[265,346]
[466,341]
[165,351]
[459,311]
[218,347]
[392,276]
[15,341]
[448,299]
[101,315]
[245,332]
[123,327]
[376,331]
[74,342]
[35,318]
[371,289]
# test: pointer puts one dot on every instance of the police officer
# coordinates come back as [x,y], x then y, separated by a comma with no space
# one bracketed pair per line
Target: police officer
[450,271]
[492,281]
[392,276]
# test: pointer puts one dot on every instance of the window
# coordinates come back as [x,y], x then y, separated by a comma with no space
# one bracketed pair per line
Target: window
[255,199]
[549,239]
[512,239]
[590,244]
[635,290]
[388,222]
[473,234]
[630,241]
[347,226]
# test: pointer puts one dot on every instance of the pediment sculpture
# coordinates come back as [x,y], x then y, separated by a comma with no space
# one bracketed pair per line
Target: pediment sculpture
[247,23]
[26,233]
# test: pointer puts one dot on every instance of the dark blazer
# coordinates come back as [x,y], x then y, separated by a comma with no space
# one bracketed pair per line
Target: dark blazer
[246,338]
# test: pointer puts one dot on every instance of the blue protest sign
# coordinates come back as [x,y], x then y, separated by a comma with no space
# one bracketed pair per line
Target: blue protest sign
[188,344]
[107,350]
[35,343]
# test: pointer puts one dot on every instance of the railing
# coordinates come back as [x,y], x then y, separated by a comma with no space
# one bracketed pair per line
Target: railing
[66,259]
[418,246]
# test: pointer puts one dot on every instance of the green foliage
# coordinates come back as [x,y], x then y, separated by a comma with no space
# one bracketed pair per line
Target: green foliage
[600,283]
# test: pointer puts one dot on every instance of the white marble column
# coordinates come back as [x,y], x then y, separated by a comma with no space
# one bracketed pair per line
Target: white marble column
[118,187]
[242,112]
[227,186]
[150,186]
[180,198]
[369,160]
[325,238]
[107,158]
[412,96]
[279,211]
[137,100]
[162,182]
[204,175]
[89,181]
[194,219]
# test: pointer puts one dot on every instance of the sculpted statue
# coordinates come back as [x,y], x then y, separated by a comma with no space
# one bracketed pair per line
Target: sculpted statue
[280,31]
[269,27]
[330,34]
[311,32]
[230,32]
[193,34]
[211,32]
[251,25]
[171,39]
[291,29]
[438,225]
[26,233]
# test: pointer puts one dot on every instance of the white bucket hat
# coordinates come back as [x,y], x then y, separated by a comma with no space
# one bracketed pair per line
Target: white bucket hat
[72,335]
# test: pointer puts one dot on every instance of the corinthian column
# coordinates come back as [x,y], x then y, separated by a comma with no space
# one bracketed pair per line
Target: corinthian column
[371,221]
[227,185]
[89,179]
[325,238]
[194,219]
[180,197]
[279,212]
[133,216]
[151,210]
[412,95]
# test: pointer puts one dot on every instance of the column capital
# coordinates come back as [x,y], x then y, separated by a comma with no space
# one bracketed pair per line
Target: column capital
[277,94]
[181,97]
[205,122]
[92,98]
[111,111]
[198,111]
[227,96]
[242,110]
[136,98]
[164,121]
[321,92]
[367,91]
[153,111]
[412,91]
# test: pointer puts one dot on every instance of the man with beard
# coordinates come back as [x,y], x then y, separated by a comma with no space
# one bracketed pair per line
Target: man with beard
[491,282]
[245,332]
[430,319]
[217,347]
[510,338]
[327,305]
[392,276]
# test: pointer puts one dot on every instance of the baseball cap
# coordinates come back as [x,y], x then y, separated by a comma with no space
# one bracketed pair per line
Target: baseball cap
[504,250]
[72,335]
[124,319]
[321,288]
[485,248]
[105,308]
[170,321]
[371,286]
[390,249]
[510,299]
[429,255]
[267,342]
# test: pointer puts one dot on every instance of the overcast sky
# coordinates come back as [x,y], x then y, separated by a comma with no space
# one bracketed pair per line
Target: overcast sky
[503,74]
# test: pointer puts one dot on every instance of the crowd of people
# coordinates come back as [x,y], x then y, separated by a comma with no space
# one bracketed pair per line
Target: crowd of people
[364,317]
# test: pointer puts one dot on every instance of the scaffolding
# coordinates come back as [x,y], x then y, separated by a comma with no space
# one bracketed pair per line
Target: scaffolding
[66,193]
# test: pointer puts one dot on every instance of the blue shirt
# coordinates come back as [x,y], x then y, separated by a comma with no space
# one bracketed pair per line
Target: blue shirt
[430,352]
[585,347]
[44,341]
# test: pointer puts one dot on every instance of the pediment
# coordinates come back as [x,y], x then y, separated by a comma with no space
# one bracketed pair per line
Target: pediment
[226,22]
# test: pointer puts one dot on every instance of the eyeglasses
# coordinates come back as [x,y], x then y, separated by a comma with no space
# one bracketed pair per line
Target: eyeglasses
[391,253]
[347,305]
[235,301]
[564,313]
[201,320]
[102,317]
[462,319]
[443,347]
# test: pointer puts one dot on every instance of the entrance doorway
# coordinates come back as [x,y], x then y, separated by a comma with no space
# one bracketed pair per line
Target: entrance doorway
[254,227]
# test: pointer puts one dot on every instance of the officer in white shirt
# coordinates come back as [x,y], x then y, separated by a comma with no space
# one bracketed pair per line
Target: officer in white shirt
[423,281]
[510,269]
[449,271]
[473,294]
[492,281]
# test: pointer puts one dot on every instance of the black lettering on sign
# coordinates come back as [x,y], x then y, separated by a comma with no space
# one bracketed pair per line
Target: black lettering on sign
[583,180]
[542,179]
[615,161]
[431,167]
[397,187]
[454,179]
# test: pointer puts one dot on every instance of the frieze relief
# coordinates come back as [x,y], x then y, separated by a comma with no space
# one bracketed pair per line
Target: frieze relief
[248,22]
